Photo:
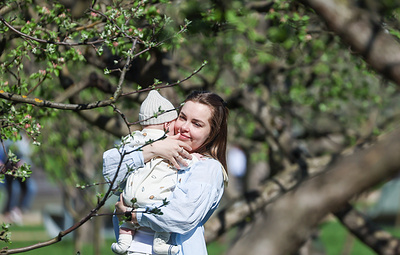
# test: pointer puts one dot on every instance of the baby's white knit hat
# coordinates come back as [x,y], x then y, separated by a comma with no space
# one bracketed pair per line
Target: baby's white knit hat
[155,104]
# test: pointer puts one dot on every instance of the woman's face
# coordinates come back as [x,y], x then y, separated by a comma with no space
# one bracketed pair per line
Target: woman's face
[193,124]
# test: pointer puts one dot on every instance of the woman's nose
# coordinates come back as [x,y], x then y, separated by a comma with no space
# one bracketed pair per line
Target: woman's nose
[185,127]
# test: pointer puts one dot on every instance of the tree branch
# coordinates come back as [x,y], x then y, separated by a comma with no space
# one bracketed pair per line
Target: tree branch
[44,103]
[375,237]
[46,41]
[365,36]
[235,213]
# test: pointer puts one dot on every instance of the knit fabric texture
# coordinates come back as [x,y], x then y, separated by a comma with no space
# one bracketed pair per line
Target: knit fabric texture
[156,109]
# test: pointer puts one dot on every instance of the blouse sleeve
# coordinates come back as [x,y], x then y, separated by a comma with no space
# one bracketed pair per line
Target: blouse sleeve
[192,202]
[111,160]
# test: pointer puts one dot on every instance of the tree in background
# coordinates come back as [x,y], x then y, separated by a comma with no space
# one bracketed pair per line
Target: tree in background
[291,72]
[46,47]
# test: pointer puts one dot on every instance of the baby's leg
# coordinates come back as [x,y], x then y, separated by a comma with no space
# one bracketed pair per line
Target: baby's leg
[160,245]
[124,240]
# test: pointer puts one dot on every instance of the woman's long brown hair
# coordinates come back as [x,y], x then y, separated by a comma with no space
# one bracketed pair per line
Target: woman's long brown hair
[215,144]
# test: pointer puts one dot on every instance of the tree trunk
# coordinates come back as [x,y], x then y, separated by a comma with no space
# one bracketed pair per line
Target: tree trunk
[281,231]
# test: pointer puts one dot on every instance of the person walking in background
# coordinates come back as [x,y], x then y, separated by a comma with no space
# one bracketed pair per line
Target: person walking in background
[20,192]
[237,167]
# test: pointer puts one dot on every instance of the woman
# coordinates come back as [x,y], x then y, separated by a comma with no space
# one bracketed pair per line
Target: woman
[201,127]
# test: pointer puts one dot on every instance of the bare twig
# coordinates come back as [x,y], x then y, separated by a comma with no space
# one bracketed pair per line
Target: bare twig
[47,41]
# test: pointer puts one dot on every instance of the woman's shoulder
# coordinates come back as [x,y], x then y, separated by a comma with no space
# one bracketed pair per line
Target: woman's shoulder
[209,161]
[216,166]
[208,165]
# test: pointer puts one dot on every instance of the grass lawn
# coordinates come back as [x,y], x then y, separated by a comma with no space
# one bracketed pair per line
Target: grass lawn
[66,247]
[336,240]
[61,248]
[333,238]
[38,234]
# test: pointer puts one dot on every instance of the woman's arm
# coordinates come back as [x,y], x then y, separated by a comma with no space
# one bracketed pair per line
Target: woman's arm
[192,202]
[170,148]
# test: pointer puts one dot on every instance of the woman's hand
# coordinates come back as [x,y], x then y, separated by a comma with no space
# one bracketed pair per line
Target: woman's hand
[171,149]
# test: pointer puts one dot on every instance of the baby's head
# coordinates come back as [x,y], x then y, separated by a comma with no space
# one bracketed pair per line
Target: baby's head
[159,106]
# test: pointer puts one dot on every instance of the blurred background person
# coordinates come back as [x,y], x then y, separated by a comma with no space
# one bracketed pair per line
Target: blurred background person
[237,166]
[19,193]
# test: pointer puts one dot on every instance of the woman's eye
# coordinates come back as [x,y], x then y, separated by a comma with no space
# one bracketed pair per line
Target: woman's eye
[197,124]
